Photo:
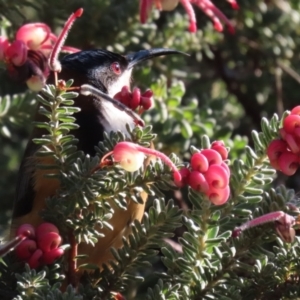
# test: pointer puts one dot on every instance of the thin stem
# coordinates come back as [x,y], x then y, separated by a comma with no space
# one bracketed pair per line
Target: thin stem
[72,260]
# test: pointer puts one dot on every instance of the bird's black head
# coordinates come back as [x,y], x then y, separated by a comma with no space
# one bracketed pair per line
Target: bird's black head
[106,70]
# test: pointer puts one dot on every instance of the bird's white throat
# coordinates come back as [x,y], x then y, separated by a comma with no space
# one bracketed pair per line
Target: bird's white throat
[115,119]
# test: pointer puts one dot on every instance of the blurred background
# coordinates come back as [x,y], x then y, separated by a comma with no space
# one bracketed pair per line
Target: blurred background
[223,89]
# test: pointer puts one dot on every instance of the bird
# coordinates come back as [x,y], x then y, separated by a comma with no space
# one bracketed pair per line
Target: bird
[108,72]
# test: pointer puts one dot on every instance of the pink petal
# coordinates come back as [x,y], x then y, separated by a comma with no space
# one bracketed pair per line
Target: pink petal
[198,182]
[51,256]
[199,162]
[288,163]
[26,249]
[68,49]
[296,110]
[291,122]
[33,34]
[185,174]
[220,147]
[35,260]
[16,53]
[276,148]
[218,196]
[46,47]
[212,156]
[217,176]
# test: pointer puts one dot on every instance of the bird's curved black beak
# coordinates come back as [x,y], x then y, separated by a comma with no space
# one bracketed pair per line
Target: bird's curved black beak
[142,55]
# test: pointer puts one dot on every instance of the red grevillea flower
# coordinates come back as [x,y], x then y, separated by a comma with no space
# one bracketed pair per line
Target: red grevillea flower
[131,156]
[205,5]
[26,57]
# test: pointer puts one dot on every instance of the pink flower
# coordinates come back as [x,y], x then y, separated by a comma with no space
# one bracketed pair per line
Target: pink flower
[284,224]
[210,174]
[35,36]
[26,58]
[205,5]
[135,99]
[39,246]
[131,156]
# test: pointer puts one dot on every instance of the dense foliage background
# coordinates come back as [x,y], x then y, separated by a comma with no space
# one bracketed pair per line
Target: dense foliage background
[223,89]
[233,80]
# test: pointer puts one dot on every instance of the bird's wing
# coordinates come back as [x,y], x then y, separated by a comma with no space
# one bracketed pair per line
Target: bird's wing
[25,183]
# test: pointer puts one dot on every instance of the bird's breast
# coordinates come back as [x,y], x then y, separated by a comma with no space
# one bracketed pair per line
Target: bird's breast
[115,119]
[94,119]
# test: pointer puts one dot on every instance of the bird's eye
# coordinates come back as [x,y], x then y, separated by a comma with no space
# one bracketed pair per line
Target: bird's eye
[115,67]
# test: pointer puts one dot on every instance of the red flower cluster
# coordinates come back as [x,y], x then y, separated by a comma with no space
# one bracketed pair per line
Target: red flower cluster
[209,174]
[135,99]
[284,153]
[41,245]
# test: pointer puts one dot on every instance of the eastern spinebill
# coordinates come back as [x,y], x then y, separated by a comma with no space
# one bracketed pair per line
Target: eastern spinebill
[107,72]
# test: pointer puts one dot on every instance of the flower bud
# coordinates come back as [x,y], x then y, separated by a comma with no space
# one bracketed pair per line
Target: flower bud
[212,156]
[217,177]
[226,167]
[16,53]
[146,102]
[25,250]
[198,182]
[288,163]
[51,256]
[219,146]
[35,260]
[199,162]
[290,123]
[218,196]
[274,150]
[48,241]
[45,228]
[135,98]
[185,174]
